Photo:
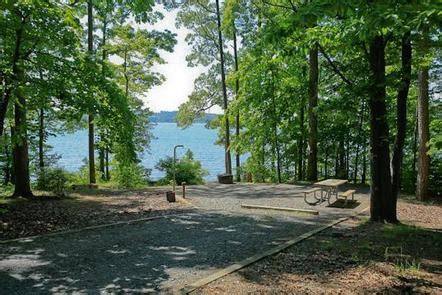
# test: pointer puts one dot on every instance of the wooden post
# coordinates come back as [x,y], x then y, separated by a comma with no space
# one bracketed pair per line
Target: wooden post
[184,189]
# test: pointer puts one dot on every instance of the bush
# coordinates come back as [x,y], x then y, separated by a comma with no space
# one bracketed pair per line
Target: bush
[187,170]
[81,177]
[54,180]
[130,175]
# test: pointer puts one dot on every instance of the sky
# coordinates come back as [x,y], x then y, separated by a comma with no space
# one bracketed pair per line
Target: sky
[179,78]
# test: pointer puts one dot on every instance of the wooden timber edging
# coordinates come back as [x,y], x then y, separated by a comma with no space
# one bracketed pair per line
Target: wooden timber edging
[307,211]
[252,259]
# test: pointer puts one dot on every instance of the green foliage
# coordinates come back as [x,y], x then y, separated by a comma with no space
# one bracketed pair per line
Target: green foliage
[54,180]
[82,175]
[130,175]
[187,170]
[435,143]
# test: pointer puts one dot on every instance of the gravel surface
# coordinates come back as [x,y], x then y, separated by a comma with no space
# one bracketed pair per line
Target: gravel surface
[168,252]
[230,197]
[349,259]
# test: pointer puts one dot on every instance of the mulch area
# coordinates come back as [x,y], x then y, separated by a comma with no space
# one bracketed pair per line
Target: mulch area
[351,258]
[22,218]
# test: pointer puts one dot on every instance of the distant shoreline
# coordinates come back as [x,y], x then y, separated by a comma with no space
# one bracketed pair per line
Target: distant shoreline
[170,117]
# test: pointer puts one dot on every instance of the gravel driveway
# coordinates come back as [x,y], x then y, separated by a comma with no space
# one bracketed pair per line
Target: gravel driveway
[168,252]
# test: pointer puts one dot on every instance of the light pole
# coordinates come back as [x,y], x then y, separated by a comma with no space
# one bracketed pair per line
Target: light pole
[174,160]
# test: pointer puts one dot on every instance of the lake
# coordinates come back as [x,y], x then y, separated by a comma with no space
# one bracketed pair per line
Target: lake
[73,148]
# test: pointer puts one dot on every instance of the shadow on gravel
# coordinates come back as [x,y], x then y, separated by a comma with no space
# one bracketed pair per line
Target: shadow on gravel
[259,191]
[140,257]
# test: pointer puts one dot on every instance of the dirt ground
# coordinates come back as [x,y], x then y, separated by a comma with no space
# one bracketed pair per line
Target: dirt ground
[22,218]
[355,256]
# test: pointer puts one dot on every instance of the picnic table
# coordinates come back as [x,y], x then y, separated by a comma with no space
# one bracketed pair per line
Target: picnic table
[330,187]
[327,188]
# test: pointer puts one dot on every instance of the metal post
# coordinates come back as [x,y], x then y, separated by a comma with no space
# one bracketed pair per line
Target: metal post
[174,160]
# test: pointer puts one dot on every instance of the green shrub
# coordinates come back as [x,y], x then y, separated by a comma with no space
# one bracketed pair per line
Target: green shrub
[130,175]
[81,177]
[186,170]
[54,180]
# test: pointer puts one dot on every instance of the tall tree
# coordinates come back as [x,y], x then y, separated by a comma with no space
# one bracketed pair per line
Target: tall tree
[312,163]
[401,121]
[228,159]
[423,131]
[91,127]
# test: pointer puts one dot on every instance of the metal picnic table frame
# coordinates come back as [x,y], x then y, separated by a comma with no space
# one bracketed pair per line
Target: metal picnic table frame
[329,188]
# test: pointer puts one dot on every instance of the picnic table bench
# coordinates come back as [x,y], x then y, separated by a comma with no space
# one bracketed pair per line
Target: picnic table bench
[328,188]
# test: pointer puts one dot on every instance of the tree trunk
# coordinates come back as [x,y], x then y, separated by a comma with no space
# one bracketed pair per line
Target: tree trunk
[340,172]
[101,152]
[358,145]
[6,168]
[107,163]
[301,142]
[4,105]
[312,163]
[101,160]
[41,140]
[423,165]
[275,134]
[401,124]
[228,159]
[364,164]
[20,149]
[235,55]
[381,190]
[413,164]
[6,95]
[90,42]
[326,162]
[347,158]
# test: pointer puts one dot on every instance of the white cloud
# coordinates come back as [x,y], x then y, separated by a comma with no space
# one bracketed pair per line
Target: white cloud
[179,77]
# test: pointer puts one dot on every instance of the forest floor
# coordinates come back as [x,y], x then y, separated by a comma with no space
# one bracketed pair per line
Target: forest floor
[354,256]
[82,208]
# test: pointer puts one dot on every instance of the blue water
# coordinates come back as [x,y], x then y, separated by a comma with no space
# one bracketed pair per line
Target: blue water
[73,148]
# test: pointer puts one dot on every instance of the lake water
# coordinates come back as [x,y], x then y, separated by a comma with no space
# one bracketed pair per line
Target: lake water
[73,148]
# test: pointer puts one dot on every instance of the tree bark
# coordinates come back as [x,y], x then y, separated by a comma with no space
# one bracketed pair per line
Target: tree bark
[6,95]
[20,150]
[107,163]
[228,159]
[101,152]
[401,124]
[275,134]
[364,164]
[312,163]
[381,190]
[413,164]
[423,165]
[237,125]
[340,160]
[347,158]
[101,161]
[358,145]
[326,162]
[7,167]
[90,42]
[41,140]
[301,142]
